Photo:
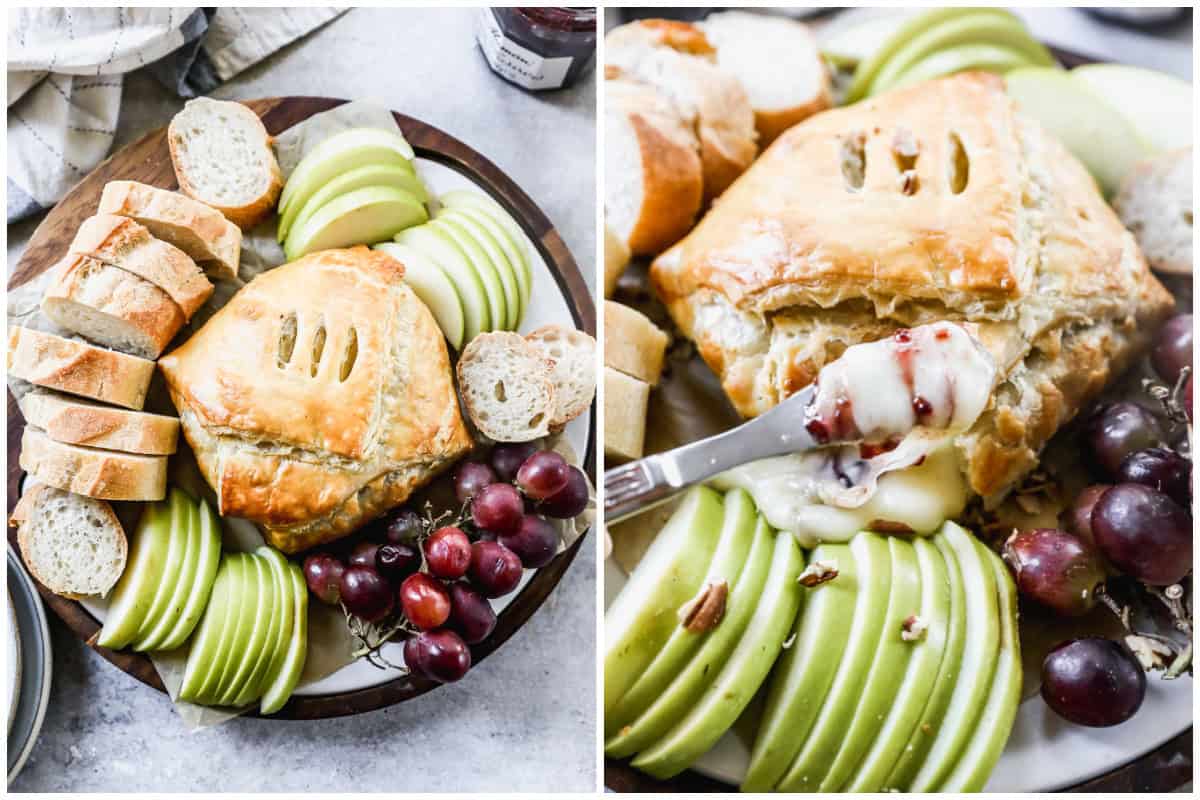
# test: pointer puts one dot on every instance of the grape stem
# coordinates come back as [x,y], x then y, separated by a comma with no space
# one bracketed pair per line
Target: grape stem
[1173,599]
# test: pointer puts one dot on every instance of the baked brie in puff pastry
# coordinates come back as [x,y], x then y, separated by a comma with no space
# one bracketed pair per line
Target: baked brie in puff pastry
[319,397]
[934,203]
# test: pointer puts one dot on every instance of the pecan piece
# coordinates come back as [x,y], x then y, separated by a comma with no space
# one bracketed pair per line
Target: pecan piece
[706,610]
[818,572]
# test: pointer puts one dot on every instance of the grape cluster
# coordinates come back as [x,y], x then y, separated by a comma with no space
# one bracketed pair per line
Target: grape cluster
[441,581]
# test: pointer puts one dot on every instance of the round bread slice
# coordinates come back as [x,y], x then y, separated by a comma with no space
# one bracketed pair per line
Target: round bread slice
[507,388]
[111,306]
[75,367]
[572,357]
[66,419]
[222,157]
[74,546]
[103,474]
[1155,204]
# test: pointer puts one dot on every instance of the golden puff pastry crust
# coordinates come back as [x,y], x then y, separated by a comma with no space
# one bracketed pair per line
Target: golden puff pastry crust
[930,203]
[319,397]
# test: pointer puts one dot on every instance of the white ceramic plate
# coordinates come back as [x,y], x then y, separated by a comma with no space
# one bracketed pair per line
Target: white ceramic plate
[27,622]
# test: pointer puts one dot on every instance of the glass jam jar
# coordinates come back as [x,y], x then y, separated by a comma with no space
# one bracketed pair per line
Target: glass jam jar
[538,47]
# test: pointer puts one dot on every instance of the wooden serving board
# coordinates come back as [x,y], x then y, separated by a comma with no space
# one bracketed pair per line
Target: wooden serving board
[148,160]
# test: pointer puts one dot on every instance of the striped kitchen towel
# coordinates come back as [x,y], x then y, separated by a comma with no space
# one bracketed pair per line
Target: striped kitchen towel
[66,68]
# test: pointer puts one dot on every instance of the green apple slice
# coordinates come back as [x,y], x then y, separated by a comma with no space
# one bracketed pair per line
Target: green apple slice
[244,600]
[868,68]
[915,749]
[744,672]
[733,545]
[470,243]
[205,650]
[434,245]
[978,664]
[493,287]
[917,684]
[285,674]
[644,615]
[255,641]
[144,566]
[671,706]
[338,155]
[991,733]
[398,175]
[816,756]
[806,671]
[432,286]
[208,559]
[518,244]
[1093,130]
[496,252]
[891,659]
[282,625]
[986,28]
[363,216]
[178,575]
[1158,105]
[853,43]
[985,57]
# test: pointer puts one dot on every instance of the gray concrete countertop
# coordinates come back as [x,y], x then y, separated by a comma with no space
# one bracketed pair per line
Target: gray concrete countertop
[525,719]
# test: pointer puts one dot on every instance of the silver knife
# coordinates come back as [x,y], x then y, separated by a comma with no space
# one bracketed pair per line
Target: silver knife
[639,485]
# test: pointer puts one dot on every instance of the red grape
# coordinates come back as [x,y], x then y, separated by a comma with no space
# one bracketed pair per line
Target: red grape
[1115,431]
[424,600]
[1056,569]
[405,527]
[366,594]
[1161,469]
[470,613]
[471,477]
[1094,682]
[1187,397]
[1144,533]
[323,574]
[543,474]
[1081,511]
[495,570]
[569,501]
[363,554]
[498,508]
[448,552]
[441,656]
[395,562]
[508,458]
[535,542]
[1172,349]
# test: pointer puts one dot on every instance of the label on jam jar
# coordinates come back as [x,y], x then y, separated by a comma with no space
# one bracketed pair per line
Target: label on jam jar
[516,63]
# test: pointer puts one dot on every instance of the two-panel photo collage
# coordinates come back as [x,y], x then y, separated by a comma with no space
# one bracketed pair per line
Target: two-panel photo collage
[579,400]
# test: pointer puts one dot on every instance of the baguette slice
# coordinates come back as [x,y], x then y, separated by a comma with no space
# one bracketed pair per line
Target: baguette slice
[66,419]
[778,64]
[222,157]
[572,357]
[202,232]
[632,343]
[89,471]
[1155,204]
[616,259]
[654,181]
[111,306]
[626,401]
[506,387]
[74,546]
[44,359]
[121,242]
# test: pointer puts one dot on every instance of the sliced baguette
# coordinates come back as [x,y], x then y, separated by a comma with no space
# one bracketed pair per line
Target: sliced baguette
[121,242]
[572,357]
[202,232]
[506,387]
[44,359]
[111,306]
[74,546]
[632,343]
[626,401]
[654,181]
[222,157]
[1155,204]
[66,419]
[103,474]
[616,259]
[778,64]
